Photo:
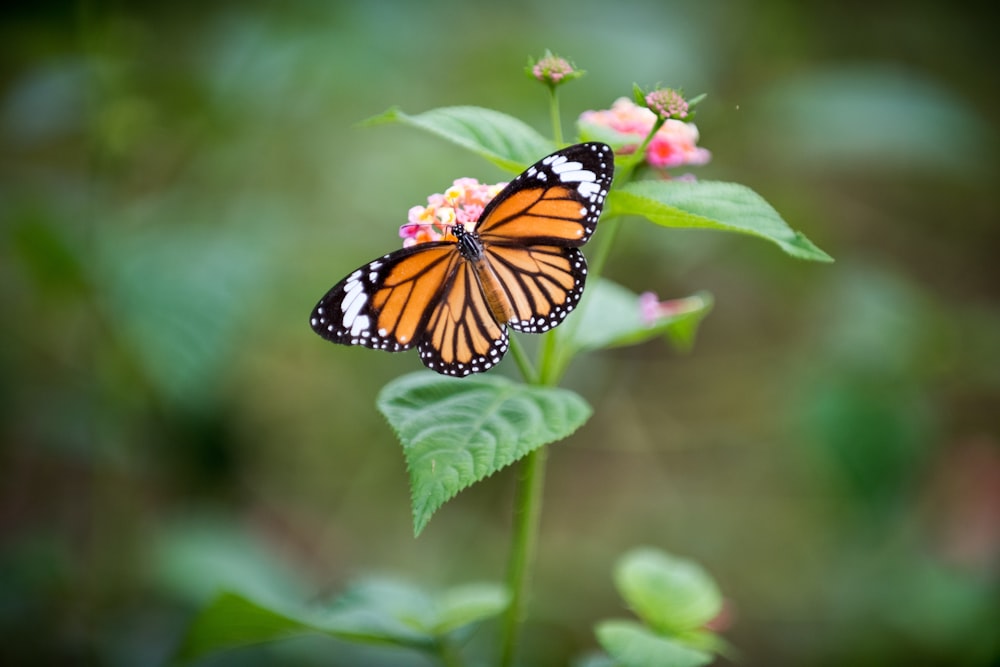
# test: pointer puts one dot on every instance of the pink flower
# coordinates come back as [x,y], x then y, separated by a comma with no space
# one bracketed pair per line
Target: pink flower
[674,144]
[667,103]
[652,310]
[461,204]
[553,70]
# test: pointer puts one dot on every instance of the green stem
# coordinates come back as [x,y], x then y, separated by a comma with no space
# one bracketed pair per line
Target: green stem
[555,117]
[531,478]
[609,234]
[546,360]
[522,361]
[527,512]
[626,167]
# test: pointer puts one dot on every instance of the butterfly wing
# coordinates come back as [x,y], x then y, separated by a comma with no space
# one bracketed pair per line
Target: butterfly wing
[461,335]
[424,296]
[532,230]
[386,303]
[543,283]
[556,201]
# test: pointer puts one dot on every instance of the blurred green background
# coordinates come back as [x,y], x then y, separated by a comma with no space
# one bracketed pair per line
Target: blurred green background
[181,182]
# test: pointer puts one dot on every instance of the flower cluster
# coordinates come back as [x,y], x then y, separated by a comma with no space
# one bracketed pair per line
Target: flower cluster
[461,204]
[553,70]
[667,103]
[674,144]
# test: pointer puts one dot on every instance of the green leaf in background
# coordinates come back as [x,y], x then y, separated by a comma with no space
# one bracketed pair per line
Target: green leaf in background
[193,559]
[632,645]
[462,606]
[711,205]
[457,432]
[422,614]
[375,611]
[611,316]
[233,620]
[503,140]
[171,291]
[672,595]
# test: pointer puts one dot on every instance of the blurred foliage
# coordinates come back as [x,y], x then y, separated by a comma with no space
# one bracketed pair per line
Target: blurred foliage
[179,183]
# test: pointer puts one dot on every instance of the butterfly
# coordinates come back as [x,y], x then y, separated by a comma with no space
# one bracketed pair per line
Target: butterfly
[519,267]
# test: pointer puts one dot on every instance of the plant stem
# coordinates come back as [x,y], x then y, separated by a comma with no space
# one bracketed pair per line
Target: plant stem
[531,478]
[555,117]
[608,236]
[527,512]
[522,361]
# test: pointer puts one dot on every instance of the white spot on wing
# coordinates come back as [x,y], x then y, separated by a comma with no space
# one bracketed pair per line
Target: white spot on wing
[577,176]
[588,190]
[359,324]
[353,302]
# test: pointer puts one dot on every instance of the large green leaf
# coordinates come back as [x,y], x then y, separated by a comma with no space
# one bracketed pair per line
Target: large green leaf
[461,606]
[632,645]
[374,611]
[233,620]
[672,595]
[611,316]
[431,615]
[457,432]
[503,140]
[711,205]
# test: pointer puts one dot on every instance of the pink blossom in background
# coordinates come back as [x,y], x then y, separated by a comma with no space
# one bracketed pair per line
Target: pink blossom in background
[652,310]
[675,144]
[461,204]
[551,69]
[667,103]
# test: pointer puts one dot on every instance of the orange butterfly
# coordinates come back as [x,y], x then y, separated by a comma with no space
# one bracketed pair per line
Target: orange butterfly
[453,299]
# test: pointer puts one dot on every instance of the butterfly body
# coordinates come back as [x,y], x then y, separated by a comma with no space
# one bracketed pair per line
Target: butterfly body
[520,266]
[496,298]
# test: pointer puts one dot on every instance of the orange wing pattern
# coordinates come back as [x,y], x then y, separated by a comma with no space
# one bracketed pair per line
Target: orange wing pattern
[384,304]
[543,283]
[462,335]
[521,264]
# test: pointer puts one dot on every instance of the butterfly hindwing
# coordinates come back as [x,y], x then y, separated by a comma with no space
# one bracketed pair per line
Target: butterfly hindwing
[461,335]
[543,283]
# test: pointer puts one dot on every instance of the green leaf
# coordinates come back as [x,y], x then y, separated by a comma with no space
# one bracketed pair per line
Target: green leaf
[711,205]
[672,595]
[374,611]
[422,612]
[463,605]
[181,324]
[632,645]
[610,316]
[503,140]
[457,432]
[233,620]
[192,559]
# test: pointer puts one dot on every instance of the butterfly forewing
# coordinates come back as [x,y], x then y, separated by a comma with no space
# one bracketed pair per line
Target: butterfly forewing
[558,200]
[384,304]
